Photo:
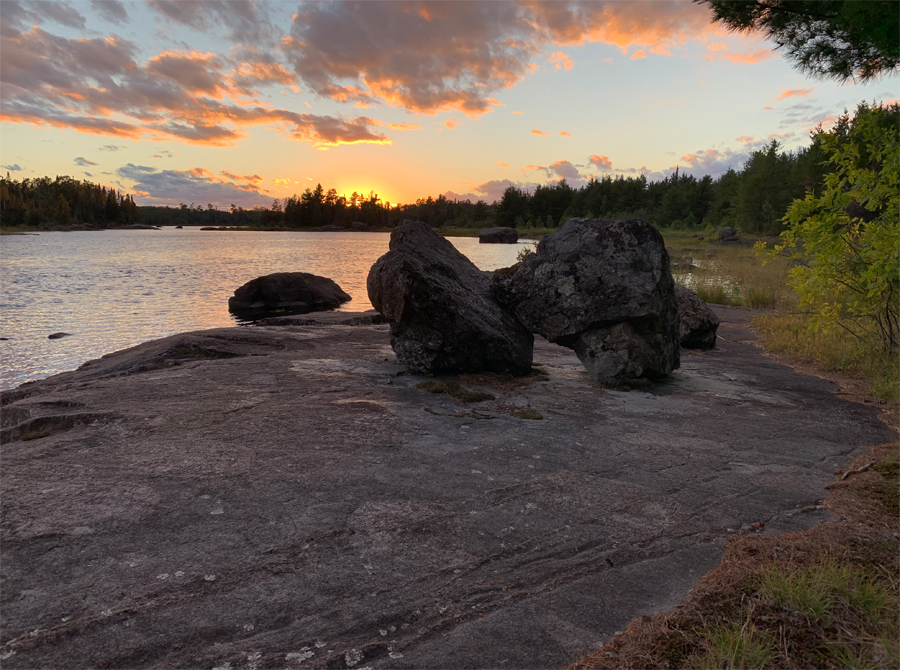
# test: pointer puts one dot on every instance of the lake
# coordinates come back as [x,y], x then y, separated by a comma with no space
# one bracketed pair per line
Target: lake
[117,288]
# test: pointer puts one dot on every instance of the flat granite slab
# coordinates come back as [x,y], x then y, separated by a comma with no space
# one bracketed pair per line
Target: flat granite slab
[282,496]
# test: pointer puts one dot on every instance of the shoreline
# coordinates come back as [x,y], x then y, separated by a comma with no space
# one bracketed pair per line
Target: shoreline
[455,232]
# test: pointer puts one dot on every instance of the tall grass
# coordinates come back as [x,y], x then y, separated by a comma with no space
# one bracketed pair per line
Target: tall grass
[735,275]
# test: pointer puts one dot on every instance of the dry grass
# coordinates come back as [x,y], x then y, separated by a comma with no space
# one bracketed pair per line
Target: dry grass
[837,351]
[506,382]
[733,275]
[825,597]
[454,390]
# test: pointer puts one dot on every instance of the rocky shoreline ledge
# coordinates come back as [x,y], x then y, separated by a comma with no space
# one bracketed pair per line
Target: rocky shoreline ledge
[285,496]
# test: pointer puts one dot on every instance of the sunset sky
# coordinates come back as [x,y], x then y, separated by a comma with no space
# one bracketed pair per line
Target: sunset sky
[242,101]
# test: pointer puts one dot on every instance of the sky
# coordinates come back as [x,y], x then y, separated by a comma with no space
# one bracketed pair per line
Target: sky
[241,102]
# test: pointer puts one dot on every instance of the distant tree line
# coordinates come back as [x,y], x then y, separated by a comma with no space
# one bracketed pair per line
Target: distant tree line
[753,199]
[63,202]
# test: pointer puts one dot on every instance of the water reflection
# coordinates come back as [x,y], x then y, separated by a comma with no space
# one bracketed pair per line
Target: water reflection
[115,289]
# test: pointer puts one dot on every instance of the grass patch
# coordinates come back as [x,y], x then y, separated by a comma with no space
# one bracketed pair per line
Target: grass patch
[827,597]
[837,351]
[732,275]
[506,382]
[738,645]
[454,390]
[528,413]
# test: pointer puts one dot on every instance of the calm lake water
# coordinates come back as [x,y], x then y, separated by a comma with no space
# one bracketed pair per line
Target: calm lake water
[114,289]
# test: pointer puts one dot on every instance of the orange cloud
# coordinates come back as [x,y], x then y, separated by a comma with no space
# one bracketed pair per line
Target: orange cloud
[501,164]
[561,60]
[751,58]
[602,162]
[451,123]
[403,126]
[794,93]
[532,168]
[456,55]
[540,132]
[638,54]
[565,134]
[518,112]
[252,178]
[182,95]
[744,138]
[717,46]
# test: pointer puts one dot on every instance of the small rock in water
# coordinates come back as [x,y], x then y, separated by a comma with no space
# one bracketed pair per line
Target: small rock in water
[57,336]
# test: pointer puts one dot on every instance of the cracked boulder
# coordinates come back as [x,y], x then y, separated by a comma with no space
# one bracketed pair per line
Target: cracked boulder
[698,323]
[604,289]
[441,309]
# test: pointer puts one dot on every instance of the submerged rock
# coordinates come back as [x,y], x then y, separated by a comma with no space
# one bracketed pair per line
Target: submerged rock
[286,292]
[501,235]
[604,289]
[441,310]
[698,323]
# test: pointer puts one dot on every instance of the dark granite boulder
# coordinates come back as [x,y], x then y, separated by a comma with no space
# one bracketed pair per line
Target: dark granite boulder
[500,235]
[698,322]
[286,292]
[604,289]
[727,234]
[440,307]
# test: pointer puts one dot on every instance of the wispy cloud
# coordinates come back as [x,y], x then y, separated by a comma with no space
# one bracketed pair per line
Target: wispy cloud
[15,167]
[794,93]
[565,134]
[540,132]
[83,162]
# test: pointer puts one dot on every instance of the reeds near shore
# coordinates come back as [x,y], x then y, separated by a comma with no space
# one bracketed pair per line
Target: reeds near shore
[734,274]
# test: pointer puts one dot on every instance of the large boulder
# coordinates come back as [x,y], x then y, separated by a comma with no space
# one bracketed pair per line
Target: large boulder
[440,307]
[286,292]
[698,323]
[500,235]
[604,289]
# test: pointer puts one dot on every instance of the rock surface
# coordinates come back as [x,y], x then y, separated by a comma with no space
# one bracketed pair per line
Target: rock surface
[441,309]
[290,292]
[698,322]
[253,496]
[603,288]
[501,235]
